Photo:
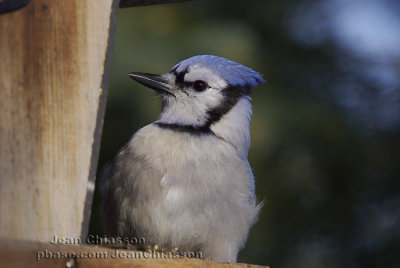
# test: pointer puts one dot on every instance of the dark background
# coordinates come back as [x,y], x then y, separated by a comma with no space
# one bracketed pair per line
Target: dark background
[325,132]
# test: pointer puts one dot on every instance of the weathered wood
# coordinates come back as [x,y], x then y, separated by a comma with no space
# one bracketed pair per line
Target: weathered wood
[30,254]
[52,59]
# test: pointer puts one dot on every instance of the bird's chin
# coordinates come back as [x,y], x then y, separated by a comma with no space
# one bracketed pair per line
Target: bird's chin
[166,94]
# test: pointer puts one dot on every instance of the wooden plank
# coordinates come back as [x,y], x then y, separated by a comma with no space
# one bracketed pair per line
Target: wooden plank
[53,55]
[30,254]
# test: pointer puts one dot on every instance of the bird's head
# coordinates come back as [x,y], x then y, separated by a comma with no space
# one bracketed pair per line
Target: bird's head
[200,90]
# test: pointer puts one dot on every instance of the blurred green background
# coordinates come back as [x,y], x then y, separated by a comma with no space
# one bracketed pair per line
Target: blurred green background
[325,132]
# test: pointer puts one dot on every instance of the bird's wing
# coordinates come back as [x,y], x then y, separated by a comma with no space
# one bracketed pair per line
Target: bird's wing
[126,183]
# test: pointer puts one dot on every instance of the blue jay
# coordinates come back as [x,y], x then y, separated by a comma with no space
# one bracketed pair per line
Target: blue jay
[184,181]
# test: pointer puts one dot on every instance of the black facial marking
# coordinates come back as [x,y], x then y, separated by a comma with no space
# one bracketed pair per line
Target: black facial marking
[231,94]
[179,80]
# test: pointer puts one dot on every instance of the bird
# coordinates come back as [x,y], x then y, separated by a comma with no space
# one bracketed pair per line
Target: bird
[184,181]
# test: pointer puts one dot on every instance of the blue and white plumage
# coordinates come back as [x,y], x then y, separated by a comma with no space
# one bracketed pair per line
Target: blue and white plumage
[233,73]
[184,181]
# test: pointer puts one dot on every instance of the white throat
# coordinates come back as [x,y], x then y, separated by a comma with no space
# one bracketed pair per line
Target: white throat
[234,127]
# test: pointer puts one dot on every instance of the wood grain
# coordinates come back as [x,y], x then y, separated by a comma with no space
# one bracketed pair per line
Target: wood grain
[52,58]
[30,254]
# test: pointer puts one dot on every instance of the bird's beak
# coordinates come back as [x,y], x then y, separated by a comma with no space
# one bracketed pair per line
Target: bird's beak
[153,81]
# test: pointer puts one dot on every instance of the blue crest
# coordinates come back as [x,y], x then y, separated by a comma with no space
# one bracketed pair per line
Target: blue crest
[232,72]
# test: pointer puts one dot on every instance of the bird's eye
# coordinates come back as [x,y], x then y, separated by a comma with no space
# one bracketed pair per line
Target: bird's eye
[200,85]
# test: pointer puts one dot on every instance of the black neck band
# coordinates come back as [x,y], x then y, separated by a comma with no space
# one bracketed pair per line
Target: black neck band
[186,128]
